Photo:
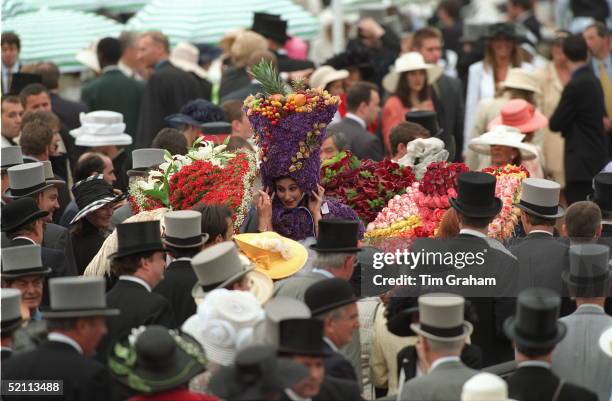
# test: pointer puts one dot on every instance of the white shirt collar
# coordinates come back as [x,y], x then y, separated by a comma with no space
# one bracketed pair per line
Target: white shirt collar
[539,364]
[591,306]
[293,396]
[331,344]
[62,338]
[356,118]
[541,231]
[442,360]
[113,67]
[29,239]
[323,272]
[136,280]
[475,233]
[3,348]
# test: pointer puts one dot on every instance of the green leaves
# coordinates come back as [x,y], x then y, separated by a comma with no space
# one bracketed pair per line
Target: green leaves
[267,75]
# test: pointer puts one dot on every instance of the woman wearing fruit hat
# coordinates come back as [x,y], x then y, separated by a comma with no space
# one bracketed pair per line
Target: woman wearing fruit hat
[289,129]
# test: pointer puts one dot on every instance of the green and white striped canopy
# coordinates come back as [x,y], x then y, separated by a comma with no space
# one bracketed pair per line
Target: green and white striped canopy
[207,21]
[57,35]
[10,8]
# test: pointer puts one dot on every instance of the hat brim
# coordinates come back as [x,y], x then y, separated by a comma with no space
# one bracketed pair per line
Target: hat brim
[202,241]
[573,285]
[602,205]
[322,353]
[178,120]
[92,207]
[198,292]
[25,220]
[57,183]
[519,85]
[65,314]
[189,67]
[467,331]
[510,331]
[332,77]
[483,146]
[10,195]
[92,141]
[9,327]
[399,324]
[335,305]
[260,285]
[560,212]
[35,271]
[537,122]
[391,80]
[477,211]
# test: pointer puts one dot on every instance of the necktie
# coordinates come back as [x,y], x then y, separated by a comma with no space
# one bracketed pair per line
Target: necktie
[607,88]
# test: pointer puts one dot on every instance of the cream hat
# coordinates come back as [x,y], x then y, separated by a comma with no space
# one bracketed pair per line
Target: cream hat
[412,61]
[185,56]
[485,387]
[519,78]
[503,136]
[325,75]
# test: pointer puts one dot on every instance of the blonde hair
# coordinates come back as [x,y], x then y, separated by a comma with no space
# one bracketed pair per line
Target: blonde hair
[245,44]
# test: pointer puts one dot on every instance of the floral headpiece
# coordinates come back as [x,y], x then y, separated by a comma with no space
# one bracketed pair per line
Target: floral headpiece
[289,127]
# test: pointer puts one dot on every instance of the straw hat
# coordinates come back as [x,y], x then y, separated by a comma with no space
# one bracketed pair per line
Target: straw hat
[325,75]
[519,78]
[412,61]
[276,256]
[521,115]
[503,136]
[101,128]
[186,56]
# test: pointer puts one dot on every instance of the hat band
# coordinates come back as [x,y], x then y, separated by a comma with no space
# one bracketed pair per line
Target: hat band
[28,190]
[26,272]
[536,336]
[550,210]
[8,323]
[443,332]
[584,280]
[195,241]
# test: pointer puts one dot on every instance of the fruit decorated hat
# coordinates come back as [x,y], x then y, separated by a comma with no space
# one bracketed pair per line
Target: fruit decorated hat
[289,123]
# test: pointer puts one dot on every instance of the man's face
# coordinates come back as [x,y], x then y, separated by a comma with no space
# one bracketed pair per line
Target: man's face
[342,327]
[91,331]
[109,171]
[48,200]
[596,44]
[38,102]
[11,119]
[10,52]
[431,50]
[243,127]
[373,107]
[310,386]
[54,146]
[156,265]
[149,51]
[31,288]
[328,149]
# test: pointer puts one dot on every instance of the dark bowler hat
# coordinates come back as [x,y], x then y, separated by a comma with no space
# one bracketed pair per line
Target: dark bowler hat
[503,30]
[158,360]
[302,337]
[10,304]
[270,26]
[589,270]
[602,192]
[138,237]
[476,195]
[328,294]
[22,79]
[536,324]
[426,119]
[337,235]
[20,212]
[208,52]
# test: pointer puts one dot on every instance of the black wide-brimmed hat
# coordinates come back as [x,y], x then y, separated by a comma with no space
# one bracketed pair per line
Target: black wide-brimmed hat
[426,119]
[337,235]
[329,294]
[20,212]
[139,237]
[270,26]
[92,194]
[154,359]
[602,192]
[505,30]
[256,373]
[400,323]
[536,323]
[476,195]
[302,337]
[589,271]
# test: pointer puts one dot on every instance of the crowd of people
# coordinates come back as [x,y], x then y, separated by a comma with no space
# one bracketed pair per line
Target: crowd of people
[169,235]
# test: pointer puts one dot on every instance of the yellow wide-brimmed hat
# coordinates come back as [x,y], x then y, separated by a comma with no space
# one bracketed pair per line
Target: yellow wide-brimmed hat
[272,254]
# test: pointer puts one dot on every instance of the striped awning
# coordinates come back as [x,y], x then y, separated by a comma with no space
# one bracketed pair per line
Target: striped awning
[10,8]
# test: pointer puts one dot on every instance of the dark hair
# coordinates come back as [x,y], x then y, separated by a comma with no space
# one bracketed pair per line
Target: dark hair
[524,4]
[109,51]
[601,28]
[214,220]
[172,140]
[31,90]
[128,264]
[88,164]
[425,33]
[533,352]
[233,110]
[582,220]
[35,137]
[82,228]
[183,252]
[406,132]
[22,229]
[360,92]
[10,99]
[403,90]
[575,48]
[452,8]
[237,142]
[540,221]
[49,74]
[477,222]
[10,38]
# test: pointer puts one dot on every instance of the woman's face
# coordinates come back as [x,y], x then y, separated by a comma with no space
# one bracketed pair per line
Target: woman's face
[502,47]
[502,155]
[288,192]
[336,88]
[101,217]
[416,80]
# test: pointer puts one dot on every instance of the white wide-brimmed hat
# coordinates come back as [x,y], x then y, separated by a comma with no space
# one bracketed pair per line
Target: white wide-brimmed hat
[412,61]
[503,136]
[185,56]
[485,387]
[325,75]
[101,128]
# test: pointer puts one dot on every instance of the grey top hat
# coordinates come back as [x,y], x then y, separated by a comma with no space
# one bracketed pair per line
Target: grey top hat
[11,156]
[183,229]
[49,176]
[143,159]
[10,304]
[72,297]
[540,198]
[441,317]
[278,309]
[21,261]
[589,266]
[26,179]
[217,267]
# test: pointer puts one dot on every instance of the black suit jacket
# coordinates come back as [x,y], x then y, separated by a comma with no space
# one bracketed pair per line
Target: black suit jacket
[232,80]
[333,389]
[168,89]
[363,144]
[5,354]
[83,378]
[86,246]
[579,117]
[67,110]
[536,383]
[243,92]
[176,287]
[58,237]
[449,94]
[137,307]
[336,365]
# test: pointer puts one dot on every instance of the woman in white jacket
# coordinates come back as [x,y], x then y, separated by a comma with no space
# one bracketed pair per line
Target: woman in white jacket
[501,54]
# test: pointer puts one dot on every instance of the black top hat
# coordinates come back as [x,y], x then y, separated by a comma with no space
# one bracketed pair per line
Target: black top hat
[159,360]
[20,212]
[270,26]
[328,294]
[589,270]
[91,194]
[602,192]
[400,323]
[22,79]
[426,119]
[337,235]
[476,195]
[138,237]
[354,58]
[536,324]
[256,373]
[302,337]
